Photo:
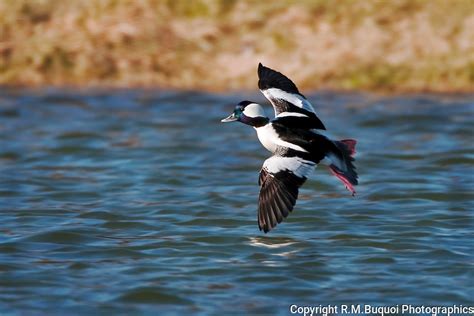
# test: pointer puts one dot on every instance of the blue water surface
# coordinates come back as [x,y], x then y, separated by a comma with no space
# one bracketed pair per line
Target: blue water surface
[142,202]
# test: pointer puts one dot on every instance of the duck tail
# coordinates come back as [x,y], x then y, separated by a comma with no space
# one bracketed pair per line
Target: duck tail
[342,166]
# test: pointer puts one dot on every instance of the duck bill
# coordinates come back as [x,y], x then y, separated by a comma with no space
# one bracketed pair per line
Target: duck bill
[230,118]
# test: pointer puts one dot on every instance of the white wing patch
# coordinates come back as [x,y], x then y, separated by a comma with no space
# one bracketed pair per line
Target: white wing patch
[295,99]
[298,166]
[285,114]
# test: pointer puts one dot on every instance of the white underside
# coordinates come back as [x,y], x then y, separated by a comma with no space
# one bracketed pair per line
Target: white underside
[270,140]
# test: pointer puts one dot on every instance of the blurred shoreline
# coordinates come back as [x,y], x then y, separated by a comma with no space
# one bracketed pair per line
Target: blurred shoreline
[382,46]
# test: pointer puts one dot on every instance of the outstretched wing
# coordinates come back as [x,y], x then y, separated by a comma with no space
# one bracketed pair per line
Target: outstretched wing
[287,101]
[280,179]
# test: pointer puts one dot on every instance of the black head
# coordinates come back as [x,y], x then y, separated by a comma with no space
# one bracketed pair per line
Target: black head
[249,113]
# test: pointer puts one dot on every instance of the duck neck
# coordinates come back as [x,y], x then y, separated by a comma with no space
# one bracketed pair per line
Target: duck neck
[259,121]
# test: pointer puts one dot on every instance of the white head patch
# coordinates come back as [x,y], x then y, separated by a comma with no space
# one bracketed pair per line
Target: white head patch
[254,110]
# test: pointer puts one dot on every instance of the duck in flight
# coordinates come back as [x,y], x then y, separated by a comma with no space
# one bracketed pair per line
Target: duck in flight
[296,146]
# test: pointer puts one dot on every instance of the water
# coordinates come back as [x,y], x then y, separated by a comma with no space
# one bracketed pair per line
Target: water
[143,202]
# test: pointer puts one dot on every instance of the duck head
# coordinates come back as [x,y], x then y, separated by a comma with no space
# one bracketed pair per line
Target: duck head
[249,113]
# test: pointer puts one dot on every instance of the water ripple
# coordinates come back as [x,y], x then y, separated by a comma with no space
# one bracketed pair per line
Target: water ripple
[121,201]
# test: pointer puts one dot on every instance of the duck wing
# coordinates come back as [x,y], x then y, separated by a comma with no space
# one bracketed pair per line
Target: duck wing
[286,99]
[279,180]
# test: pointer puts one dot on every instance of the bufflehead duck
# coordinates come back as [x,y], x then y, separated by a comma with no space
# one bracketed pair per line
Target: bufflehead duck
[296,147]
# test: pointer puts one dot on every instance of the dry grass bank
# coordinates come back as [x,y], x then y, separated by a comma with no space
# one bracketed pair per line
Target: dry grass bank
[410,45]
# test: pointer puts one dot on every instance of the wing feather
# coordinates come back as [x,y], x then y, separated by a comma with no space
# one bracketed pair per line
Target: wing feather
[287,101]
[280,179]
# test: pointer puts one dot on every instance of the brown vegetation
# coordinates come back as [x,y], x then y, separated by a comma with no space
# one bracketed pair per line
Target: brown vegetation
[409,45]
